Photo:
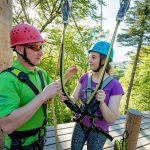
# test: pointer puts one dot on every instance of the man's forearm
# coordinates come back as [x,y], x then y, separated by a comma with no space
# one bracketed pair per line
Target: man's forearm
[19,116]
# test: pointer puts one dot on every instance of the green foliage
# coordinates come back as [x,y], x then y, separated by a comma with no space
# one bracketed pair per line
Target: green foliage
[140,94]
[136,34]
[118,69]
[141,89]
[137,22]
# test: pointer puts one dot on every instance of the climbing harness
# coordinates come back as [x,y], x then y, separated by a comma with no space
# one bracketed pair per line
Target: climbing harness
[16,136]
[92,116]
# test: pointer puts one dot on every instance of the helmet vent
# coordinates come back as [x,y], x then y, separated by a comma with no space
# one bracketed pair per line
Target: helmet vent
[24,33]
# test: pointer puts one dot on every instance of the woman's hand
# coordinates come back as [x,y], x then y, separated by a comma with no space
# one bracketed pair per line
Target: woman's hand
[100,96]
[70,72]
[62,97]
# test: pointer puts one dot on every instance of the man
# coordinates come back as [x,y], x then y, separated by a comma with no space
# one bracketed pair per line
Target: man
[23,93]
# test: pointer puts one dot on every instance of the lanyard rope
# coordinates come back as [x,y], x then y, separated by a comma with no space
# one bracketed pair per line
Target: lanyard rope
[66,8]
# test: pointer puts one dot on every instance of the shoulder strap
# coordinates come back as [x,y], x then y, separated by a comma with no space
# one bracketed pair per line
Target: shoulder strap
[23,77]
[104,84]
[42,79]
[107,81]
[89,86]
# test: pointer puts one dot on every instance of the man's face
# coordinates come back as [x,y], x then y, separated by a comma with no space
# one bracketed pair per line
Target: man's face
[34,52]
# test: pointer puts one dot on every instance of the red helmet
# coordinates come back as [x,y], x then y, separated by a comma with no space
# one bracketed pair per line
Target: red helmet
[23,34]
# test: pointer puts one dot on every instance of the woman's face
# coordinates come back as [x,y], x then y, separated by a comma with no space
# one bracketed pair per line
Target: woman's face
[94,60]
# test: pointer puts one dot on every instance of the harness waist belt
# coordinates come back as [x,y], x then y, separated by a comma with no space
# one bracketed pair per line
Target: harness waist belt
[24,134]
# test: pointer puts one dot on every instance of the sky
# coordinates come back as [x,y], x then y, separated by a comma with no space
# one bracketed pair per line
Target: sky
[109,12]
[109,22]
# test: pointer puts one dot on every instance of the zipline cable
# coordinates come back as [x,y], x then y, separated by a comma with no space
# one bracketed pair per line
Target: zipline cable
[77,26]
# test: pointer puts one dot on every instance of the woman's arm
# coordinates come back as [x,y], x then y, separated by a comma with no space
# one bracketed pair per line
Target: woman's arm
[110,112]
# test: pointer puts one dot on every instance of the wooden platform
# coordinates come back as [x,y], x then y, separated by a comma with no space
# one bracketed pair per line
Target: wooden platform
[116,130]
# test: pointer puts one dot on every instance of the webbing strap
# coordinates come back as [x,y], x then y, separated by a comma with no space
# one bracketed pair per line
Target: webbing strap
[87,130]
[23,77]
[104,84]
[89,85]
[24,134]
[42,79]
[45,105]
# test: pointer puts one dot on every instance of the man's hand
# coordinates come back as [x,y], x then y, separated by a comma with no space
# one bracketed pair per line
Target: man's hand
[50,91]
[62,97]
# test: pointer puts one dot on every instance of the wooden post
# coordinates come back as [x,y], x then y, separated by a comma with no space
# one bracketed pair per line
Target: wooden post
[133,122]
[5,25]
[5,52]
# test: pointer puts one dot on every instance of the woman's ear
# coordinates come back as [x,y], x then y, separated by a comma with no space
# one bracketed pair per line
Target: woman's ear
[103,61]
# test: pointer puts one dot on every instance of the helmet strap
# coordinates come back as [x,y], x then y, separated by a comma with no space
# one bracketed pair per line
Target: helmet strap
[24,56]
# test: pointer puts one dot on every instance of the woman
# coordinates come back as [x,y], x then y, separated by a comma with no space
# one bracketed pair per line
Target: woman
[109,99]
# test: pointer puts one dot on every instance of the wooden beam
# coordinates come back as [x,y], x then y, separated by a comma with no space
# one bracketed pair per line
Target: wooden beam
[5,26]
[133,122]
[5,52]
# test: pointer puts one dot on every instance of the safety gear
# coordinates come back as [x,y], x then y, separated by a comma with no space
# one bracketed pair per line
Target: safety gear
[16,136]
[92,109]
[101,47]
[34,47]
[23,34]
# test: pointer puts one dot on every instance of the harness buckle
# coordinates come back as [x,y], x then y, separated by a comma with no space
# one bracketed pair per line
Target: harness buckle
[23,77]
[96,116]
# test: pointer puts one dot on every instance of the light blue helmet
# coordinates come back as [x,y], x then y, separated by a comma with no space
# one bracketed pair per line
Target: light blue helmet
[101,47]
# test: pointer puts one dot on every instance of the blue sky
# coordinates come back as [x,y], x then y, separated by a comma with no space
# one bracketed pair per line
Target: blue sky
[109,12]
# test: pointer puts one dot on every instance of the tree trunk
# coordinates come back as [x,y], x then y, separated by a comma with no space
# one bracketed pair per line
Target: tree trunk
[132,75]
[5,25]
[5,51]
[132,129]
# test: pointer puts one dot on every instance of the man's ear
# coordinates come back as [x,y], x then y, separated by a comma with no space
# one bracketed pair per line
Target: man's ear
[19,49]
